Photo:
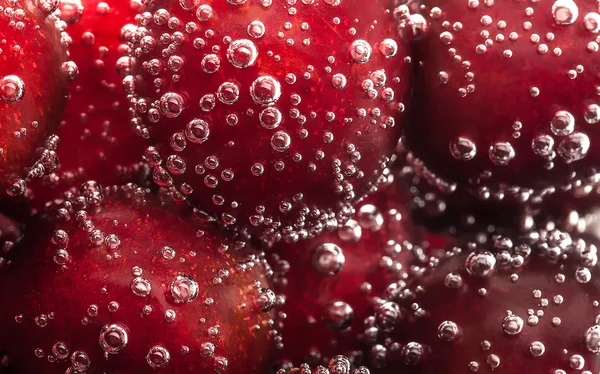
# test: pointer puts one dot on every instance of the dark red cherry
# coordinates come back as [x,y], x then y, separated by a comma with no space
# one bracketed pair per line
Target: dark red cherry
[272,116]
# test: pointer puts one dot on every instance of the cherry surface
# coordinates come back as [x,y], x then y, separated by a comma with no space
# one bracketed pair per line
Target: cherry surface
[95,139]
[127,285]
[34,72]
[505,103]
[331,283]
[270,116]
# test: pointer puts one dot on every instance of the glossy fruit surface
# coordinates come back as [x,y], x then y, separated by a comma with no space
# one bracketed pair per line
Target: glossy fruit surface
[33,83]
[527,304]
[331,283]
[128,286]
[95,140]
[272,116]
[506,99]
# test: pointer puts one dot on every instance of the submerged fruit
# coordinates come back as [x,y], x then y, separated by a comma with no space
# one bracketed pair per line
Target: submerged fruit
[270,116]
[129,286]
[33,84]
[506,99]
[526,304]
[331,283]
[95,140]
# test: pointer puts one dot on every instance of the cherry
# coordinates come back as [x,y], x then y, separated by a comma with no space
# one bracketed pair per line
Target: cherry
[113,284]
[270,116]
[505,103]
[95,139]
[526,304]
[33,81]
[329,282]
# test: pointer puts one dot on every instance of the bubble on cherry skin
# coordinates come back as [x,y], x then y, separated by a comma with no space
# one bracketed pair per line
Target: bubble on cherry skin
[70,10]
[265,90]
[113,338]
[184,288]
[565,12]
[328,259]
[264,300]
[447,331]
[574,147]
[256,29]
[47,6]
[171,104]
[280,141]
[463,149]
[339,81]
[242,53]
[562,123]
[210,63]
[80,361]
[158,357]
[537,349]
[592,339]
[360,51]
[197,131]
[270,118]
[480,264]
[141,287]
[338,315]
[228,93]
[512,325]
[60,350]
[12,88]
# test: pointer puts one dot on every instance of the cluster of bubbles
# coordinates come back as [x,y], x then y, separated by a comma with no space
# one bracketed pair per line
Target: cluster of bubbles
[582,185]
[337,365]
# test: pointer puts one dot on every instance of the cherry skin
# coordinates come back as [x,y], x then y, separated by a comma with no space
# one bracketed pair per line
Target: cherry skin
[129,286]
[268,116]
[506,99]
[525,304]
[34,72]
[330,282]
[95,141]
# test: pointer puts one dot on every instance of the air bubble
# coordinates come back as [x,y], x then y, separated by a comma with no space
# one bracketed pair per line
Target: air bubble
[197,131]
[463,149]
[565,12]
[171,104]
[256,29]
[360,51]
[141,287]
[328,259]
[184,288]
[12,88]
[265,90]
[158,357]
[270,118]
[242,53]
[113,338]
[280,141]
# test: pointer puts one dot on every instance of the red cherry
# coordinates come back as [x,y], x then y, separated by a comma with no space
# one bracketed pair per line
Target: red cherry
[95,140]
[330,282]
[511,306]
[506,99]
[269,115]
[33,84]
[132,287]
